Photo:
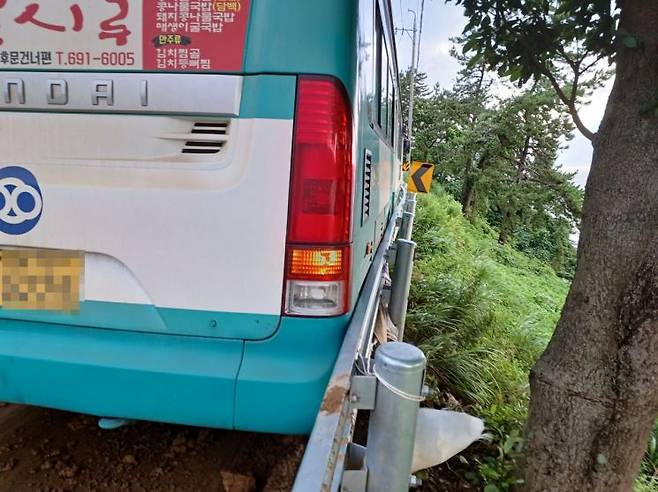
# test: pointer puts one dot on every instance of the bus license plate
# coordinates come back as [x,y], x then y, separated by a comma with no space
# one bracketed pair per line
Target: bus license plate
[42,279]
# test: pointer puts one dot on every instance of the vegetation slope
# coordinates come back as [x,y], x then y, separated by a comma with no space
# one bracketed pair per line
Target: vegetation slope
[483,312]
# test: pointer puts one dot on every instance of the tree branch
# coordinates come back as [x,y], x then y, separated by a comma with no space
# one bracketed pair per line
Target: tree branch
[571,105]
[543,69]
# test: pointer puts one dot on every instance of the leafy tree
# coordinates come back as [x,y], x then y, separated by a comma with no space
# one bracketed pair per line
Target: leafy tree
[531,188]
[594,391]
[497,156]
[563,41]
[478,125]
[421,91]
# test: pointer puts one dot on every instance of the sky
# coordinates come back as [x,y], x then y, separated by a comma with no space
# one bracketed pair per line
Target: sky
[442,22]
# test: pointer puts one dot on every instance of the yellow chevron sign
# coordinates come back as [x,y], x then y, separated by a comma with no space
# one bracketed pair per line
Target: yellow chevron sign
[406,167]
[420,178]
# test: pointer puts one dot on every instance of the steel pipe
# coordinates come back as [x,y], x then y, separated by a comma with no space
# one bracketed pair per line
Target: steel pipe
[400,369]
[401,283]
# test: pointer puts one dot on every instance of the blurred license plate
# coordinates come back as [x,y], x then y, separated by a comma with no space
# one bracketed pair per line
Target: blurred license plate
[41,279]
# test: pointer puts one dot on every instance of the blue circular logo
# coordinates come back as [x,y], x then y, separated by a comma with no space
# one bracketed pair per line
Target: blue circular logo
[21,201]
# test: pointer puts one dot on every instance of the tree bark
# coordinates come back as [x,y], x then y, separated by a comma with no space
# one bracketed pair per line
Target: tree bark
[595,389]
[468,195]
[470,180]
[523,158]
[506,228]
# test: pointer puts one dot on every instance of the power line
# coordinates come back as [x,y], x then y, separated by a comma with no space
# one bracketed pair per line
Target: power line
[420,32]
[402,30]
[408,32]
[412,84]
[415,59]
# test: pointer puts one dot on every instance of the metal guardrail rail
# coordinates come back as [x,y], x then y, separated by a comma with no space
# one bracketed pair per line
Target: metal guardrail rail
[325,458]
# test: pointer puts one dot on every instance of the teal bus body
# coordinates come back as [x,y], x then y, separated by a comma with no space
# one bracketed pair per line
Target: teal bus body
[251,372]
[266,386]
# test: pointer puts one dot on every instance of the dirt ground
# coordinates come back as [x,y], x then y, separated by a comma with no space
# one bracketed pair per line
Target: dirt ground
[51,451]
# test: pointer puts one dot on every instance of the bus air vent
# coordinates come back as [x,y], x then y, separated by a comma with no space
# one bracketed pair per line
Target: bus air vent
[206,138]
[367,183]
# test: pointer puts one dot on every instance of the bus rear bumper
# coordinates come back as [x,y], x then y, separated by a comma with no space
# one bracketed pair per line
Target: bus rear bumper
[274,385]
[282,379]
[120,374]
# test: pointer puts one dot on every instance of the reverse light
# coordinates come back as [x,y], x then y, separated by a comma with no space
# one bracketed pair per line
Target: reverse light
[320,215]
[315,298]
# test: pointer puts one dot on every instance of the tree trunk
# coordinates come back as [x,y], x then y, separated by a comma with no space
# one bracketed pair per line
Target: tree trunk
[468,195]
[468,188]
[506,228]
[470,180]
[523,158]
[595,389]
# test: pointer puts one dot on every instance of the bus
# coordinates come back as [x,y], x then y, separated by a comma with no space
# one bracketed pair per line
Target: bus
[191,196]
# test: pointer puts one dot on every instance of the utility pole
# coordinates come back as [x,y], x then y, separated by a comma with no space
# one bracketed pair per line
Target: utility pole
[412,87]
[420,32]
[415,60]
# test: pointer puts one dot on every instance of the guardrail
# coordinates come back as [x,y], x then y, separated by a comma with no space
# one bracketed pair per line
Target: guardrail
[390,388]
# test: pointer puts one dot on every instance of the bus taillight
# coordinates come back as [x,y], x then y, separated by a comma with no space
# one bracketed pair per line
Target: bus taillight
[320,219]
[317,281]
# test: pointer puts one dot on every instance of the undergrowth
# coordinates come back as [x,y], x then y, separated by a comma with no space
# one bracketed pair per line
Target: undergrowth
[648,480]
[482,313]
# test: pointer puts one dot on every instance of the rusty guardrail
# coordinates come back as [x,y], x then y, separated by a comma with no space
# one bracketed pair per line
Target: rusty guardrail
[355,385]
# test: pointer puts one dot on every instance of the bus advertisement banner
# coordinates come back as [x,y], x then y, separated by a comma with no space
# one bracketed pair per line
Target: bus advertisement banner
[151,35]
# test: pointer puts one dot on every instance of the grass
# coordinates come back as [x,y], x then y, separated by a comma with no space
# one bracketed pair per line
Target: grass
[483,313]
[648,479]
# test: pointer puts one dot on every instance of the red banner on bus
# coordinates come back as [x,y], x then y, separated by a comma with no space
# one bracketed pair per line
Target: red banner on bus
[154,35]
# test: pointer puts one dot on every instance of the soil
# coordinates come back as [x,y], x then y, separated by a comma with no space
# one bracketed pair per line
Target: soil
[51,451]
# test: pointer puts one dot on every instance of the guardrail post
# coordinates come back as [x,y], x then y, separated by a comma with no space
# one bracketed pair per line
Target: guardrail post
[410,203]
[407,225]
[401,283]
[399,368]
[408,215]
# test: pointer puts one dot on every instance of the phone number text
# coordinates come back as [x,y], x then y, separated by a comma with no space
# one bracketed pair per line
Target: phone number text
[85,58]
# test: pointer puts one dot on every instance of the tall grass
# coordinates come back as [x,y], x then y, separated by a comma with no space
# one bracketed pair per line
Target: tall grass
[483,313]
[478,308]
[648,480]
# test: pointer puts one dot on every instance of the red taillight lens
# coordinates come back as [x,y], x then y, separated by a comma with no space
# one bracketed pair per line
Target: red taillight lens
[320,219]
[323,169]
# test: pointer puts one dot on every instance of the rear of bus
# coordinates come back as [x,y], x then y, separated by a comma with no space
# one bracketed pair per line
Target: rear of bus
[193,164]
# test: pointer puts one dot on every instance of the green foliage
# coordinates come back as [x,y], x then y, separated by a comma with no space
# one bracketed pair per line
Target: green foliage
[561,41]
[497,156]
[482,312]
[481,309]
[550,243]
[648,480]
[499,471]
[523,39]
[421,92]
